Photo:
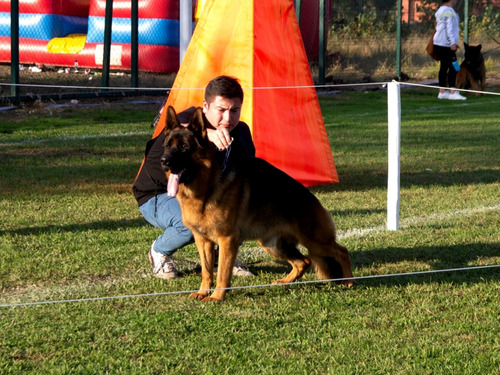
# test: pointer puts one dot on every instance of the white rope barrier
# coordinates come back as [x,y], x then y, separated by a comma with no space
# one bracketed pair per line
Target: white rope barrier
[167,89]
[393,185]
[439,87]
[382,85]
[118,88]
[92,299]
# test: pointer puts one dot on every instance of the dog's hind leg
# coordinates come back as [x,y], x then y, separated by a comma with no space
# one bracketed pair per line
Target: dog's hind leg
[474,85]
[206,251]
[287,250]
[461,79]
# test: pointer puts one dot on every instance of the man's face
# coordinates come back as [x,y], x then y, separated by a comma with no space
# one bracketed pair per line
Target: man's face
[223,112]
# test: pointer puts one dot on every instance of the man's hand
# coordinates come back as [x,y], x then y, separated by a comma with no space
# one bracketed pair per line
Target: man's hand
[453,47]
[220,137]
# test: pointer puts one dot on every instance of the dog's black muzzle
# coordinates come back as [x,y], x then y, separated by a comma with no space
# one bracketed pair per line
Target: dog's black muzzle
[175,162]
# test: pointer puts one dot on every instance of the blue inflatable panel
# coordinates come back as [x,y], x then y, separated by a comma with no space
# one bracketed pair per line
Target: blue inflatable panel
[74,25]
[44,26]
[152,31]
[4,24]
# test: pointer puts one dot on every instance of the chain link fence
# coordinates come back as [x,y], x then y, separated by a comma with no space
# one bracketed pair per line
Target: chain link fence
[362,38]
[61,43]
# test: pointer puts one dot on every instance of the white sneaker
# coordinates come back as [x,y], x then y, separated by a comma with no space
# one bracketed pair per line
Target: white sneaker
[163,265]
[444,95]
[241,269]
[456,96]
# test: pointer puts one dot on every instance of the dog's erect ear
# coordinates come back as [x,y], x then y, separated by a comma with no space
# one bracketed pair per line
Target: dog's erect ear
[479,47]
[197,123]
[172,120]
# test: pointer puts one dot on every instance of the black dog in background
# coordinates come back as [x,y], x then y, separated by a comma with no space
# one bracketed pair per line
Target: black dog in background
[472,71]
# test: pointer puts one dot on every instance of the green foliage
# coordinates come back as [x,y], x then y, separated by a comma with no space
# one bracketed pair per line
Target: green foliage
[487,23]
[375,18]
[372,19]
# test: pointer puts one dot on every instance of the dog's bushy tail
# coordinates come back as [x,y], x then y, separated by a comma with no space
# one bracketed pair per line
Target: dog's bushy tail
[327,265]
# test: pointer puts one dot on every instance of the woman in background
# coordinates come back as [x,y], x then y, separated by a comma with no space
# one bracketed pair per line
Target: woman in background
[445,45]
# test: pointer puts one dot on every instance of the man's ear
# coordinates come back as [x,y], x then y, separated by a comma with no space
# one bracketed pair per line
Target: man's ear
[172,120]
[198,124]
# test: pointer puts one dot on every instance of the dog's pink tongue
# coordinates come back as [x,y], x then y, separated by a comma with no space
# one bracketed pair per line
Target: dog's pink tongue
[173,185]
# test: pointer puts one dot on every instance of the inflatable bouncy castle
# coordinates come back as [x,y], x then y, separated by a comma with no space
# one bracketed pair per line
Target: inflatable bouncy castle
[66,32]
[62,32]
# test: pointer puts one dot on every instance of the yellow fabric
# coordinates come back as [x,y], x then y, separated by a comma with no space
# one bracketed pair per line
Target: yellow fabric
[200,4]
[216,48]
[259,42]
[73,43]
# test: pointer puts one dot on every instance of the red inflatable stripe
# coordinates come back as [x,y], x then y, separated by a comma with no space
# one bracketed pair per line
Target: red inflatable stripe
[152,58]
[147,9]
[77,8]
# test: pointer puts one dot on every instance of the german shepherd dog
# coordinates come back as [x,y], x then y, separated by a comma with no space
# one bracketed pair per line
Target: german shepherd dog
[251,200]
[472,70]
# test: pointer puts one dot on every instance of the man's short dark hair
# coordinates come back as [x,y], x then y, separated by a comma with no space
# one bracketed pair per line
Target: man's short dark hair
[225,86]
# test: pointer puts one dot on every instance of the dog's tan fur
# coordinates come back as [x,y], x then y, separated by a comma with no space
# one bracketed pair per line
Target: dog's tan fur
[253,201]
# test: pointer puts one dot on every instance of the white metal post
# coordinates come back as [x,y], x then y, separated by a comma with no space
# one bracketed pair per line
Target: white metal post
[185,26]
[394,148]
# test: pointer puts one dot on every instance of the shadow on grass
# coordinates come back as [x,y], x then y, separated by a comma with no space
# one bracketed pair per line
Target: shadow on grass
[97,225]
[371,179]
[437,257]
[356,212]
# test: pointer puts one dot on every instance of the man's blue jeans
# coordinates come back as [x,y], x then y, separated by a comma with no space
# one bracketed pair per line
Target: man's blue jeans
[167,215]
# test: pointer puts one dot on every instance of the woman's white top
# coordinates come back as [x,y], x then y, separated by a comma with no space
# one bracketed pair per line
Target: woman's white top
[447,31]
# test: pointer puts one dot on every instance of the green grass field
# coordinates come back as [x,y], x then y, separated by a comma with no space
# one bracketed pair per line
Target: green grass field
[70,230]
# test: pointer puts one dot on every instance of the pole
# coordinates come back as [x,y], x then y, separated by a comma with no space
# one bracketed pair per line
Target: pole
[466,21]
[134,41]
[322,43]
[185,26]
[394,148]
[398,41]
[298,10]
[14,47]
[108,18]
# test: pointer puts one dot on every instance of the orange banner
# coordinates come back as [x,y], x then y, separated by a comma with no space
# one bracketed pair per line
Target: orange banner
[260,44]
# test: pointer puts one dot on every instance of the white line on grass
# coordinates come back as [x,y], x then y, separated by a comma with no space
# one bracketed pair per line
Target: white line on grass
[75,138]
[423,220]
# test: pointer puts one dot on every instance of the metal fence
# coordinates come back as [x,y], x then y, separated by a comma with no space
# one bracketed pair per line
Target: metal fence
[76,47]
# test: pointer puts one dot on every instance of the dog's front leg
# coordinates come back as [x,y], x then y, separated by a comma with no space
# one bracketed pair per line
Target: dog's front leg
[206,251]
[228,248]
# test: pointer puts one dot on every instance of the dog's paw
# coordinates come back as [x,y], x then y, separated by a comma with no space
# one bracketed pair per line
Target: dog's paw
[348,283]
[198,295]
